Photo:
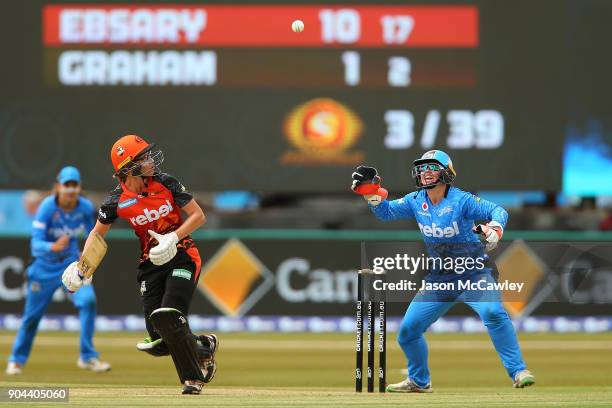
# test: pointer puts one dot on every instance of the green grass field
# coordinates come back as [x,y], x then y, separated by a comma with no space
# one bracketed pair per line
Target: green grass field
[295,370]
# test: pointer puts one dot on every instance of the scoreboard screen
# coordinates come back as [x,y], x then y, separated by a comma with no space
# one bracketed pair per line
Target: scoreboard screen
[252,46]
[237,100]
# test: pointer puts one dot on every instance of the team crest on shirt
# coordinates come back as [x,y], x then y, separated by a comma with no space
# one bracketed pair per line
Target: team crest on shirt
[445,210]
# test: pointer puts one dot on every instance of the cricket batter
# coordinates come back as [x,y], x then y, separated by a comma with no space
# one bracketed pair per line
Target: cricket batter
[61,219]
[169,269]
[446,215]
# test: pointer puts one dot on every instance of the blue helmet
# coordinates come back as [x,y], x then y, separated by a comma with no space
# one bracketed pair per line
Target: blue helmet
[436,157]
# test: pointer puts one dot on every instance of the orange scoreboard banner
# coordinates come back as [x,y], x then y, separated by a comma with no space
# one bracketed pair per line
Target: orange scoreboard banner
[366,26]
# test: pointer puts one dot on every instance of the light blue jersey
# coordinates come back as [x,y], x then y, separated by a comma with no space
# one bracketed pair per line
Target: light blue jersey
[447,226]
[50,223]
[44,274]
[447,230]
[449,221]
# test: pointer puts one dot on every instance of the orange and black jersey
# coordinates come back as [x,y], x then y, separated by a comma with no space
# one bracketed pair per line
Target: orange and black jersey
[156,208]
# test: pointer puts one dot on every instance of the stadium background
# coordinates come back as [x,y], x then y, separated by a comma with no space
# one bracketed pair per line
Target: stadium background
[283,228]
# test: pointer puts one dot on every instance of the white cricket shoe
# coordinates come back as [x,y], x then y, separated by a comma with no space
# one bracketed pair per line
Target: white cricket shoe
[13,368]
[94,365]
[409,386]
[523,379]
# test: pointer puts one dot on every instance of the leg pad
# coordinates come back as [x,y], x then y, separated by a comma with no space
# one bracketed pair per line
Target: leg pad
[173,328]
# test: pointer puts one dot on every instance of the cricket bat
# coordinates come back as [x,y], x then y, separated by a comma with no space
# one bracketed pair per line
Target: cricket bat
[92,255]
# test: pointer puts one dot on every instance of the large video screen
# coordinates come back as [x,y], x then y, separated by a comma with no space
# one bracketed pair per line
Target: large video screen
[237,100]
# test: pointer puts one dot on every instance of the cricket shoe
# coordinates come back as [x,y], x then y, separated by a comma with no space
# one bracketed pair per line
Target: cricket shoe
[13,368]
[523,379]
[409,386]
[94,365]
[208,363]
[192,387]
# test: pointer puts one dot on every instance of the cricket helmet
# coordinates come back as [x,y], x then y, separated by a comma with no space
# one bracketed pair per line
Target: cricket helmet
[128,153]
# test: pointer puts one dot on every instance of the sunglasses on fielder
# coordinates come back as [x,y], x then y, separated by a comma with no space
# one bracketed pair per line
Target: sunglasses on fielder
[446,175]
[428,166]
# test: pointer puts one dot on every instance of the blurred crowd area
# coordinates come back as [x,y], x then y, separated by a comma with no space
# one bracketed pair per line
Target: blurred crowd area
[244,210]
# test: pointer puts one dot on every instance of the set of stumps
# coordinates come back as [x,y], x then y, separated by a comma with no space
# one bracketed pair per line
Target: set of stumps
[371,300]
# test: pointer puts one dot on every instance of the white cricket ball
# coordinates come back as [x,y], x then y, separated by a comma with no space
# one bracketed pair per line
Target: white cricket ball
[297,26]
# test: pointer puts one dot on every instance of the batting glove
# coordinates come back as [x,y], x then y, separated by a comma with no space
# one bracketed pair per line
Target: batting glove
[72,278]
[165,249]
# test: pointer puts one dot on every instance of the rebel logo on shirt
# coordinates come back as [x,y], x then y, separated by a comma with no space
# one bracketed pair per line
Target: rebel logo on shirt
[438,232]
[152,215]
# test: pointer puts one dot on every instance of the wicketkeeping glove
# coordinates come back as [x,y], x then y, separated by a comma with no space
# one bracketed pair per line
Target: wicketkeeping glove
[492,233]
[366,182]
[165,249]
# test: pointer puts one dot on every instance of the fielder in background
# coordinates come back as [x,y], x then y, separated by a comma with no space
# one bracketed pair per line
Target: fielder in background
[61,219]
[446,216]
[152,202]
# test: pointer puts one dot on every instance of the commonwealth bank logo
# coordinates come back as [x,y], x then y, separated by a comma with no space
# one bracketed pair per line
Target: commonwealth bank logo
[234,279]
[519,263]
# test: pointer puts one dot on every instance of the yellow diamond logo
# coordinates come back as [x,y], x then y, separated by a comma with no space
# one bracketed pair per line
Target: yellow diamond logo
[519,263]
[234,279]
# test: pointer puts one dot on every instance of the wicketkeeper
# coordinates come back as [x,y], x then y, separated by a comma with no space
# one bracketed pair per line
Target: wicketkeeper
[446,216]
[152,202]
